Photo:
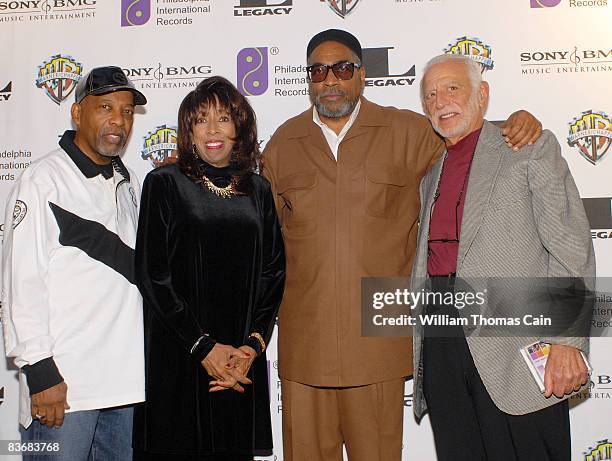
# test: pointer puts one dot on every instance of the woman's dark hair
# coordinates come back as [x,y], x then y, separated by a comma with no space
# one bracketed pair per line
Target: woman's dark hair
[219,92]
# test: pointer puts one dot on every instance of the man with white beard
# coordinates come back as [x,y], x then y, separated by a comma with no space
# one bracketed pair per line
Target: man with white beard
[490,212]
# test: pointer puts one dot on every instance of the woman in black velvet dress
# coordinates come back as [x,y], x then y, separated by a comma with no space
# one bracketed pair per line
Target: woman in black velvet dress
[211,267]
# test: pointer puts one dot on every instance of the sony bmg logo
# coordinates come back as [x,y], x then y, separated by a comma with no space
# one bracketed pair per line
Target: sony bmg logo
[263,7]
[574,56]
[42,5]
[376,63]
[160,72]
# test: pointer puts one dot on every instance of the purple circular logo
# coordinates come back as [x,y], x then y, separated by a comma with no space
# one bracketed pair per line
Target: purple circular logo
[544,3]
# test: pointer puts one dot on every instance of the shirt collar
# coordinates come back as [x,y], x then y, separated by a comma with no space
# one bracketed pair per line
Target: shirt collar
[87,166]
[345,128]
[467,144]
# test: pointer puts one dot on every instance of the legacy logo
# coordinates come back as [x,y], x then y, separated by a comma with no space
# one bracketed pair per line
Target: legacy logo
[59,77]
[592,134]
[376,63]
[473,48]
[602,451]
[544,3]
[6,92]
[263,7]
[252,71]
[161,77]
[135,12]
[159,145]
[342,7]
[599,212]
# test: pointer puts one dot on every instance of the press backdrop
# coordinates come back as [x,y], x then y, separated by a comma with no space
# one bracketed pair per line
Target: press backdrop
[551,57]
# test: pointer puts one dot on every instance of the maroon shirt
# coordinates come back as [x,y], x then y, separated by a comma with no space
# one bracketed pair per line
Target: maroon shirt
[446,216]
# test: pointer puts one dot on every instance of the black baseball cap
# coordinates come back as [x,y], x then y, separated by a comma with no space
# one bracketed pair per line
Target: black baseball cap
[103,80]
[335,35]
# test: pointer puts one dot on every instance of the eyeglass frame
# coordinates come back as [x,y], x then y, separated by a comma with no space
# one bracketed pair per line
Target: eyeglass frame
[354,65]
[446,240]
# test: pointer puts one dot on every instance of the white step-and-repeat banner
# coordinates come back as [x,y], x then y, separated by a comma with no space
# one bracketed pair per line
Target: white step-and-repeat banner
[551,57]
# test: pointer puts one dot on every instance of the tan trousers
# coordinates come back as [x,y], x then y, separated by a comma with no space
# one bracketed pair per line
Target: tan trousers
[317,421]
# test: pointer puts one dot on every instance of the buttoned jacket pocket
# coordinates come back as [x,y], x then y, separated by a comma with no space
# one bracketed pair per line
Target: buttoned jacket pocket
[383,190]
[299,194]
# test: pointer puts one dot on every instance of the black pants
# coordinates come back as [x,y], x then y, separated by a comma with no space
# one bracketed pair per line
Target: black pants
[140,456]
[466,423]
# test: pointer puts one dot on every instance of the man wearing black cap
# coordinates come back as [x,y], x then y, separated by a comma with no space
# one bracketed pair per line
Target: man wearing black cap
[72,314]
[345,174]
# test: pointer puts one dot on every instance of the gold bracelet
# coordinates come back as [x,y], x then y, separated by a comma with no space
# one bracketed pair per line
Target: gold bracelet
[259,339]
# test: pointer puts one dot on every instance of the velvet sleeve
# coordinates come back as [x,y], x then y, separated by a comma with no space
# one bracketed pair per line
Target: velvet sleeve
[153,271]
[272,281]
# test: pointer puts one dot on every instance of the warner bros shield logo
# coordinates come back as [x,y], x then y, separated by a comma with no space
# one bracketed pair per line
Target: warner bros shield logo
[473,48]
[591,133]
[59,77]
[342,7]
[159,145]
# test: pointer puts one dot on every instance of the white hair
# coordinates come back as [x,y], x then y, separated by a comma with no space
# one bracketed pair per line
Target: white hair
[473,70]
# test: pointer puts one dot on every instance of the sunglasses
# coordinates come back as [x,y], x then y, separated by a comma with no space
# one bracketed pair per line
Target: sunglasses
[343,70]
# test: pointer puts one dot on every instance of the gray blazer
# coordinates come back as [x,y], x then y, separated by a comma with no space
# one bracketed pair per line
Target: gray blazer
[523,217]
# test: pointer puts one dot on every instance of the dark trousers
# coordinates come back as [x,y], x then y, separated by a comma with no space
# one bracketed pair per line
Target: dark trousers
[140,456]
[466,423]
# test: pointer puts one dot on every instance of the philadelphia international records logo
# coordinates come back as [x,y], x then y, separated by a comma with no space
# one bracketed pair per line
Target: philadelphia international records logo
[544,3]
[135,12]
[252,70]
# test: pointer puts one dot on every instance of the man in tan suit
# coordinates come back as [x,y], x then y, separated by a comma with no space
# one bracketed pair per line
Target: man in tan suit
[345,175]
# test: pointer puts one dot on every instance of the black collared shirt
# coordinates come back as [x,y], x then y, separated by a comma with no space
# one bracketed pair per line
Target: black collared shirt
[88,167]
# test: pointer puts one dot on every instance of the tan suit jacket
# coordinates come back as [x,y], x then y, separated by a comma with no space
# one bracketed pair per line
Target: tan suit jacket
[523,218]
[343,220]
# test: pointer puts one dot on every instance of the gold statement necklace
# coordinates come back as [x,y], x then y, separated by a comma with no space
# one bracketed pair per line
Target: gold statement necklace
[223,192]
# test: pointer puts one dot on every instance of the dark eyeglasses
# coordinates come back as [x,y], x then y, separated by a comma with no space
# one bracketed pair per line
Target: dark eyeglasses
[447,240]
[343,70]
